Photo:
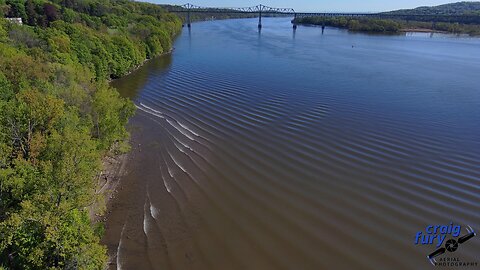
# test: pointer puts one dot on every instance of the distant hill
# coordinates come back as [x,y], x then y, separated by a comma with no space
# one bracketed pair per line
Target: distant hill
[460,8]
[456,18]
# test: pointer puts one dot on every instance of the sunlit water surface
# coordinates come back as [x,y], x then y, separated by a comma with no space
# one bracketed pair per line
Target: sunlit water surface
[297,150]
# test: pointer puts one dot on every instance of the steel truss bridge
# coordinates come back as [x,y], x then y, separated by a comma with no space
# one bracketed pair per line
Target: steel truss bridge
[261,10]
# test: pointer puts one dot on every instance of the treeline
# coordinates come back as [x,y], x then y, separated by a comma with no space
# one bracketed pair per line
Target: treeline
[220,16]
[459,8]
[59,117]
[215,14]
[353,24]
[110,37]
[460,12]
[374,25]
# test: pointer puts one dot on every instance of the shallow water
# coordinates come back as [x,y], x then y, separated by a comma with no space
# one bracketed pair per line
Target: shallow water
[298,150]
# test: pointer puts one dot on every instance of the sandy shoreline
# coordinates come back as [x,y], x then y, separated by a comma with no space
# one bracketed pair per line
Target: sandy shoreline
[113,167]
[125,215]
[107,183]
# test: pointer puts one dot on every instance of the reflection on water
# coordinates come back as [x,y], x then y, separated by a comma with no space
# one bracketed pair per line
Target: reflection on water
[272,151]
[130,86]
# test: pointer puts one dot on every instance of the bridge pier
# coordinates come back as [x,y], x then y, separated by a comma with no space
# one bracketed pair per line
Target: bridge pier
[260,19]
[260,9]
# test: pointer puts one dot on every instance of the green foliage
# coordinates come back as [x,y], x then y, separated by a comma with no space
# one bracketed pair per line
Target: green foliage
[3,32]
[59,116]
[56,240]
[110,117]
[110,37]
[389,26]
[16,9]
[459,8]
[4,9]
[462,12]
[125,55]
[355,24]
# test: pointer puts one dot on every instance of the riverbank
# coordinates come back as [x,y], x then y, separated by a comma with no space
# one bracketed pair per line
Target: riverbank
[389,26]
[113,165]
[144,228]
[421,30]
[107,184]
[144,62]
[122,190]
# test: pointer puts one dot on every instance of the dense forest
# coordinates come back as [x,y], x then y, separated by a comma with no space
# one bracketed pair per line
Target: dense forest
[59,117]
[353,24]
[467,13]
[459,8]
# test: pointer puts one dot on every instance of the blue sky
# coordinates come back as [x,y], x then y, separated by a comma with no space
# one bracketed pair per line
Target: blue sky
[313,5]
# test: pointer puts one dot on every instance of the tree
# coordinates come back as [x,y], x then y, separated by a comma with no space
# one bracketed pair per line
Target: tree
[110,115]
[353,25]
[4,8]
[17,9]
[50,11]
[3,33]
[31,12]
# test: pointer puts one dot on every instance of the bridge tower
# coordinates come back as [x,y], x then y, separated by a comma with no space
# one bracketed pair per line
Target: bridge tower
[188,9]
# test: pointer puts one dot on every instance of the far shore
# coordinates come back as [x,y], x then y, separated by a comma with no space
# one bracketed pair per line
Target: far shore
[400,31]
[423,30]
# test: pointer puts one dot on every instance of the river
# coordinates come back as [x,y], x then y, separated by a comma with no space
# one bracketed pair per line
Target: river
[298,150]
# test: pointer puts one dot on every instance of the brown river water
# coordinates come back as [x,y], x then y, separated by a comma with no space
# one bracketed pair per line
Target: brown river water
[297,150]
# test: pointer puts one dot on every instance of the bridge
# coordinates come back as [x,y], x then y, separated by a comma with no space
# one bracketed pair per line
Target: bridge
[261,10]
